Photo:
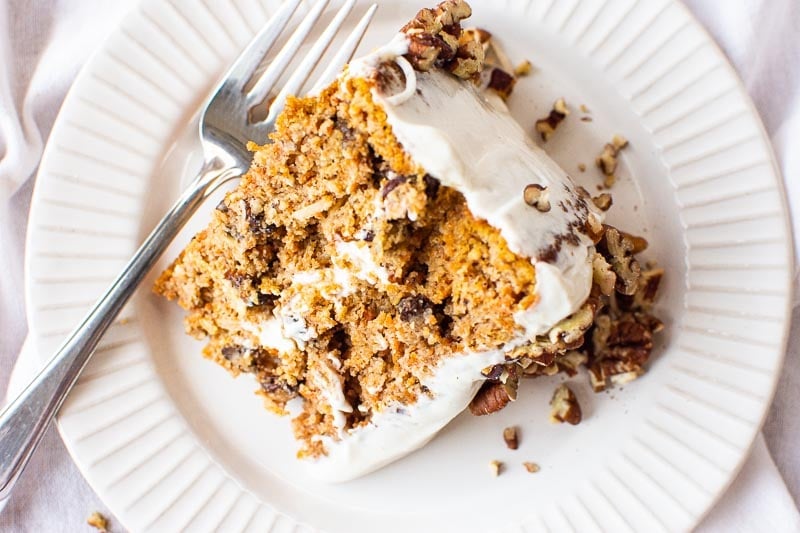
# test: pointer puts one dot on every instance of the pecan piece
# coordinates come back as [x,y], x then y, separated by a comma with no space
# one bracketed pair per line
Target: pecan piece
[535,195]
[98,521]
[618,249]
[565,406]
[603,276]
[511,438]
[607,160]
[496,467]
[523,69]
[436,40]
[501,82]
[547,126]
[532,468]
[603,202]
[492,397]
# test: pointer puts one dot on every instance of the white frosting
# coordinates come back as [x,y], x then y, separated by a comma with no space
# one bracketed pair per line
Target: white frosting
[400,429]
[468,140]
[326,377]
[355,256]
[270,335]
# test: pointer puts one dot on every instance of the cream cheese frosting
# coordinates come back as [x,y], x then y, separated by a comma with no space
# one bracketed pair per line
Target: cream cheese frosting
[468,140]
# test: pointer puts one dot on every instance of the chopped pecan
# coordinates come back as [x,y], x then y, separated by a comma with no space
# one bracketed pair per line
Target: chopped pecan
[469,59]
[603,276]
[535,195]
[547,126]
[501,82]
[620,347]
[603,202]
[569,332]
[491,397]
[539,356]
[480,35]
[523,69]
[594,228]
[564,406]
[98,521]
[570,362]
[618,248]
[511,438]
[649,283]
[531,467]
[607,160]
[496,467]
[436,40]
[425,49]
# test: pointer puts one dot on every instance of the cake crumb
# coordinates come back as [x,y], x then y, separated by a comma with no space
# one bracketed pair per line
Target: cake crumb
[523,69]
[564,406]
[98,521]
[584,109]
[607,161]
[546,127]
[531,467]
[582,167]
[511,437]
[496,467]
[587,119]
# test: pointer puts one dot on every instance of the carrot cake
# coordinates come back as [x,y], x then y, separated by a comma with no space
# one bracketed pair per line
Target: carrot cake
[398,243]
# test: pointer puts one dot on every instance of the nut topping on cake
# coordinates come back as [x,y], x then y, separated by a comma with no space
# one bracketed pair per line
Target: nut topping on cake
[436,40]
[492,397]
[619,248]
[535,195]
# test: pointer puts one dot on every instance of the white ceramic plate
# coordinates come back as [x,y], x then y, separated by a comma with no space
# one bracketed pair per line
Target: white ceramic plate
[171,442]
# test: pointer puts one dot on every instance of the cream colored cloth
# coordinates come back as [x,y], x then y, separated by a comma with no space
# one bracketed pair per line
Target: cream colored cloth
[43,43]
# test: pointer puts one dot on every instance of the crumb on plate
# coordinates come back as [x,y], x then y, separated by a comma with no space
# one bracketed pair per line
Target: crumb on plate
[531,467]
[98,521]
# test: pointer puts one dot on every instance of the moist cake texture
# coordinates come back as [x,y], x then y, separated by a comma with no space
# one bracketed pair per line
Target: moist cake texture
[378,264]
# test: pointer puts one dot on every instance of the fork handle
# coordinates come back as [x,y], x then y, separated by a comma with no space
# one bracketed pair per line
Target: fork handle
[24,421]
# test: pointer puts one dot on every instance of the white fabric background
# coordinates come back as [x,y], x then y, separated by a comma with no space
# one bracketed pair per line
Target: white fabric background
[43,43]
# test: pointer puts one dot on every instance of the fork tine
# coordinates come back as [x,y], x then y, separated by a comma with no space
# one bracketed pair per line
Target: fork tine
[346,52]
[269,78]
[309,63]
[241,71]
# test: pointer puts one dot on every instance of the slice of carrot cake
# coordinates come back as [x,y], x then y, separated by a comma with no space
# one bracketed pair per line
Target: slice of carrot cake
[397,238]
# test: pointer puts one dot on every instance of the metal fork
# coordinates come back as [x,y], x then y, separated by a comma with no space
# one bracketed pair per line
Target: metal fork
[225,128]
